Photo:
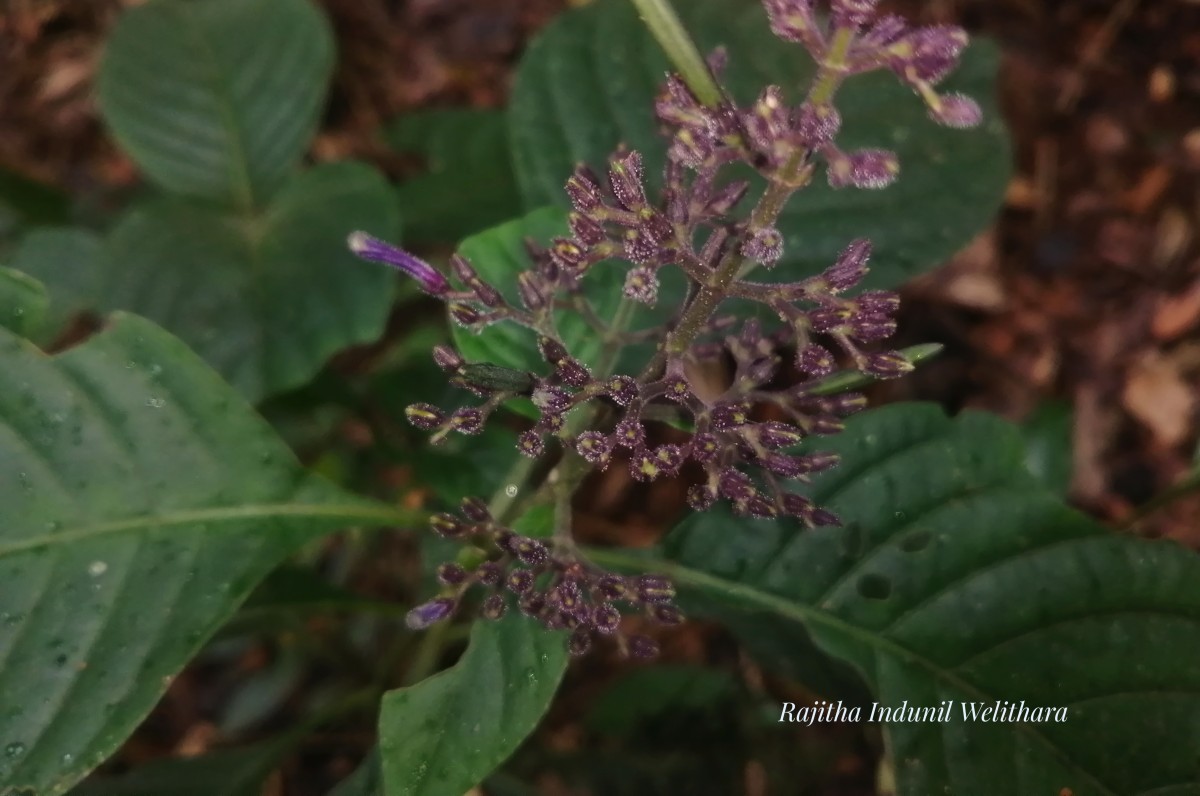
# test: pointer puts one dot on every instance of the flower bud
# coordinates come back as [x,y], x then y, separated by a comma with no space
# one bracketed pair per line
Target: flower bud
[530,444]
[928,54]
[552,400]
[494,607]
[586,229]
[467,421]
[447,358]
[584,189]
[641,284]
[887,365]
[735,485]
[447,525]
[531,291]
[764,246]
[629,432]
[701,497]
[606,619]
[519,581]
[494,378]
[654,589]
[851,266]
[429,613]
[758,507]
[465,314]
[730,416]
[818,124]
[956,110]
[424,416]
[530,551]
[795,20]
[625,176]
[489,573]
[451,574]
[594,447]
[622,389]
[475,509]
[775,435]
[705,447]
[426,277]
[852,14]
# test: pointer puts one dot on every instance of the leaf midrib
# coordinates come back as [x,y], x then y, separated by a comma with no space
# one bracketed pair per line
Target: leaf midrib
[381,515]
[807,614]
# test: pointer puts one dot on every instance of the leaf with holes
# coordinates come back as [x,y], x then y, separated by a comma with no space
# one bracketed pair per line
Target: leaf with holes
[442,736]
[66,260]
[957,577]
[217,98]
[588,82]
[143,500]
[265,299]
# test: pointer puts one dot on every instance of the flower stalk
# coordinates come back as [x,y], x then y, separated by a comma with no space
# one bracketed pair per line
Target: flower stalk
[746,438]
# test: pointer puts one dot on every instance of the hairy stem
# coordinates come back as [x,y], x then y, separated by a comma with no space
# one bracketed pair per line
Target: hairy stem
[770,205]
[664,24]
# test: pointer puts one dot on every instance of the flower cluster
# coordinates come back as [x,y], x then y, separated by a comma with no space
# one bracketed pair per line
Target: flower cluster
[756,436]
[552,585]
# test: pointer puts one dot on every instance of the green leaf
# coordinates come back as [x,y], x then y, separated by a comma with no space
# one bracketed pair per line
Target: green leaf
[367,779]
[646,693]
[217,98]
[25,202]
[1048,452]
[956,577]
[227,772]
[442,736]
[588,83]
[67,261]
[499,255]
[469,183]
[266,300]
[143,500]
[22,302]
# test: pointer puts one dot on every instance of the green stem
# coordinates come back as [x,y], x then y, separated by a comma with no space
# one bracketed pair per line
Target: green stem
[664,24]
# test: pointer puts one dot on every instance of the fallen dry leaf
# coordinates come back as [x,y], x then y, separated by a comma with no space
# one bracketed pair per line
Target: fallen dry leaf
[1158,396]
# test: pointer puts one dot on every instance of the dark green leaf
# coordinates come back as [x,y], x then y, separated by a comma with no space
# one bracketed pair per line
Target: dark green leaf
[499,255]
[587,83]
[217,98]
[22,302]
[956,577]
[26,202]
[265,299]
[367,779]
[143,500]
[1048,451]
[469,184]
[442,736]
[643,694]
[228,772]
[67,261]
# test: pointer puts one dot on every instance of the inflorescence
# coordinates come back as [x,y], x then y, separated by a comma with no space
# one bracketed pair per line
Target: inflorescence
[695,225]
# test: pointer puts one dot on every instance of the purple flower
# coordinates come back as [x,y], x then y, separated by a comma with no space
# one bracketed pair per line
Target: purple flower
[375,250]
[429,613]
